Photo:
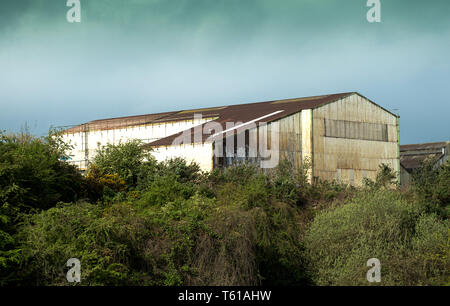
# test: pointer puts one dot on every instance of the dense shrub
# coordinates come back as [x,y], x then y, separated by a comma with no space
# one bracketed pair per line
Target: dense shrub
[167,223]
[193,242]
[432,186]
[107,242]
[164,189]
[378,224]
[431,249]
[183,171]
[32,177]
[124,159]
[101,185]
[290,186]
[386,178]
[32,174]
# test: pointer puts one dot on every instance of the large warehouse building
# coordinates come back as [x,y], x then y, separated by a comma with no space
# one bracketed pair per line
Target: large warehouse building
[343,136]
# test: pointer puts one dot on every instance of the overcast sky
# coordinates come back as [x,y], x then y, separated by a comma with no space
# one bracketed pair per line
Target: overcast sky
[131,57]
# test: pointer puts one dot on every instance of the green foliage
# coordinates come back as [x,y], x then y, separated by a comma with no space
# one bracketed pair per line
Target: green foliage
[167,223]
[105,241]
[183,171]
[32,175]
[431,249]
[386,178]
[181,242]
[102,185]
[280,251]
[253,193]
[32,178]
[432,186]
[125,159]
[164,189]
[379,224]
[290,186]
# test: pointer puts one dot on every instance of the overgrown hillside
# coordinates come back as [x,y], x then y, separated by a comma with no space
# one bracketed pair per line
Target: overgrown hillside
[134,221]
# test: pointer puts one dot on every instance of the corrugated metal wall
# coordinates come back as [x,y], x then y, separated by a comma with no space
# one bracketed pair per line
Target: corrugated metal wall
[352,137]
[86,143]
[346,140]
[198,153]
[290,133]
[289,139]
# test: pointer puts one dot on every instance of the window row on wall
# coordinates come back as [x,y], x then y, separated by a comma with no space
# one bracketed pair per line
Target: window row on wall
[356,130]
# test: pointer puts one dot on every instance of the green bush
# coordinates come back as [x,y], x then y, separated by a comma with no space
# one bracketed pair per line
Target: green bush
[125,159]
[32,174]
[378,224]
[183,171]
[32,177]
[164,189]
[167,223]
[432,186]
[290,186]
[431,249]
[386,178]
[195,241]
[107,242]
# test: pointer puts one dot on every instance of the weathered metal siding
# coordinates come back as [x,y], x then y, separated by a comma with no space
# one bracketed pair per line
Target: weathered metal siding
[289,143]
[347,139]
[307,138]
[405,176]
[365,136]
[290,139]
[202,154]
[86,143]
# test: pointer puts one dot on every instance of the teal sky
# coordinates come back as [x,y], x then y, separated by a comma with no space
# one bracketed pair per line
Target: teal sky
[130,57]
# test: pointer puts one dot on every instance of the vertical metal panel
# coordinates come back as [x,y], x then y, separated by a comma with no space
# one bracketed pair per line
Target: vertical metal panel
[349,148]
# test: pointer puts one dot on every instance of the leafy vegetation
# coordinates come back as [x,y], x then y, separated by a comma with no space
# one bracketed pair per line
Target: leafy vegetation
[32,178]
[413,247]
[134,221]
[433,187]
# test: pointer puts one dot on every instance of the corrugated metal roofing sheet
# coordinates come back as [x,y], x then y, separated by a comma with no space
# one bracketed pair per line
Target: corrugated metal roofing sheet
[424,146]
[235,113]
[248,112]
[117,123]
[413,155]
[222,114]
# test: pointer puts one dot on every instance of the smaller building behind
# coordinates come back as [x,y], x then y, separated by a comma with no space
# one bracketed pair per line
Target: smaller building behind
[413,155]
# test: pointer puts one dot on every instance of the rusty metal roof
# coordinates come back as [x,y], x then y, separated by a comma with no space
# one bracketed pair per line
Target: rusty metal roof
[117,123]
[423,146]
[222,114]
[247,112]
[240,112]
[413,155]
